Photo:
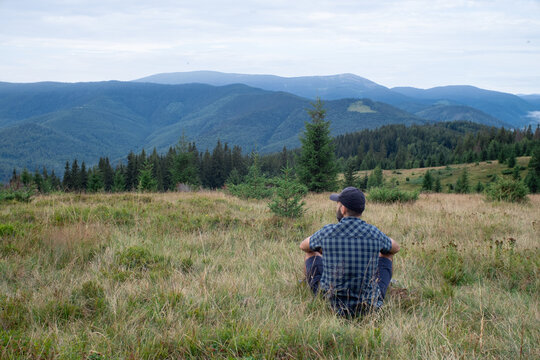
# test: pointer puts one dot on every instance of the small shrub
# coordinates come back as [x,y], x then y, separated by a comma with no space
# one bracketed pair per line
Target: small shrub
[138,258]
[7,230]
[391,195]
[507,190]
[287,201]
[20,195]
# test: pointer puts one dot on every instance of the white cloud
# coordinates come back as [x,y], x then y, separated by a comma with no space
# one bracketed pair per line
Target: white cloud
[492,44]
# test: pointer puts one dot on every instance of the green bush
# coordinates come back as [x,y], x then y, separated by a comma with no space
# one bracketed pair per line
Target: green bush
[139,258]
[255,185]
[21,195]
[391,195]
[288,194]
[507,190]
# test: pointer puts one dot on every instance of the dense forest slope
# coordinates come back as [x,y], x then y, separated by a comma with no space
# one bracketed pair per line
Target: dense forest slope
[50,123]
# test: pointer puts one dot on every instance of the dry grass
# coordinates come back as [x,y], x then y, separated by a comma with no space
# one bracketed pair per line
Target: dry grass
[206,275]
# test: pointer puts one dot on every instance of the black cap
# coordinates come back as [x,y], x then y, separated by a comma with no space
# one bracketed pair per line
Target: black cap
[351,198]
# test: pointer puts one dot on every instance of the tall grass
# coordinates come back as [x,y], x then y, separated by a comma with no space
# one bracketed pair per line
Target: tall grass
[206,275]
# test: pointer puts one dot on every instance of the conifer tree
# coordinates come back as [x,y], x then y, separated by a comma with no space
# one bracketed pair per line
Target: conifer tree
[146,180]
[38,181]
[66,181]
[217,167]
[532,180]
[95,181]
[375,179]
[84,176]
[437,186]
[363,183]
[427,183]
[107,173]
[349,179]
[75,176]
[288,194]
[511,160]
[26,178]
[119,182]
[184,168]
[132,173]
[462,184]
[316,165]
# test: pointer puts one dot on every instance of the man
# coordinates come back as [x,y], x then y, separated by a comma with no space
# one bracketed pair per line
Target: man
[350,262]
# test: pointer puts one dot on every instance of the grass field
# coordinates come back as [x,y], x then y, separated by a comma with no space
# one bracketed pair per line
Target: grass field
[206,275]
[483,172]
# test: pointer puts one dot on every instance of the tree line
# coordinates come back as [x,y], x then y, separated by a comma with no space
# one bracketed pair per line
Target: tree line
[417,146]
[315,165]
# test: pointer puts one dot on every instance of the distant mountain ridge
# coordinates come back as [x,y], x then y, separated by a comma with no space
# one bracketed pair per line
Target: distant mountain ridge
[509,109]
[51,123]
[330,87]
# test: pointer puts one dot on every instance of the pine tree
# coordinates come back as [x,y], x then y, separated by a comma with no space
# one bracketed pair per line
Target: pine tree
[84,176]
[146,180]
[38,181]
[184,168]
[349,179]
[67,182]
[515,172]
[107,173]
[217,167]
[375,179]
[437,187]
[532,180]
[288,194]
[119,182]
[427,183]
[75,176]
[316,165]
[462,184]
[363,183]
[95,181]
[511,159]
[26,178]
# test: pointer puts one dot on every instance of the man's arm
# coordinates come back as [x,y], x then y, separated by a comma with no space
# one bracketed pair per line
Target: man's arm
[395,247]
[304,246]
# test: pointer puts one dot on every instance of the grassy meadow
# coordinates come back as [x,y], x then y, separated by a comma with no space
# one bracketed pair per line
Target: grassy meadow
[207,275]
[483,172]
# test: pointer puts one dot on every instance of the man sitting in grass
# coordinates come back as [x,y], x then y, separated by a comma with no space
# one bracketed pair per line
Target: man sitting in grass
[350,262]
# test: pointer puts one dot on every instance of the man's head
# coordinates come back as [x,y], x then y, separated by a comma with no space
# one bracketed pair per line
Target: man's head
[352,199]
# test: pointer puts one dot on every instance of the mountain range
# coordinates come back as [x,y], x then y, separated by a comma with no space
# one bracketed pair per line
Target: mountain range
[47,124]
[51,123]
[510,110]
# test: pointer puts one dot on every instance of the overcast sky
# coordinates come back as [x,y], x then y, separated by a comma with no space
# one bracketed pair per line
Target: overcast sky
[492,44]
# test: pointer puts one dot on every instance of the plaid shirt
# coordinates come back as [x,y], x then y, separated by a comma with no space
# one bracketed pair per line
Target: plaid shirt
[350,259]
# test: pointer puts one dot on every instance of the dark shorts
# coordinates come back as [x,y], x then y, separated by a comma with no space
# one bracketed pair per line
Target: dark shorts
[314,270]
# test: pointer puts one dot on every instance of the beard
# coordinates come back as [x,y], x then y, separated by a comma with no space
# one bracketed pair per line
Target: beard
[339,215]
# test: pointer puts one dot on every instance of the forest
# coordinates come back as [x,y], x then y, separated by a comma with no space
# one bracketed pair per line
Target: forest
[388,147]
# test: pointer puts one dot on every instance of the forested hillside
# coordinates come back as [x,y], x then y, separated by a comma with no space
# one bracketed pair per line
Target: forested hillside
[389,147]
[50,123]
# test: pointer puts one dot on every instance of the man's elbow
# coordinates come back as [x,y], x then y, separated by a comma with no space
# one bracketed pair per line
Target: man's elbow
[304,245]
[395,247]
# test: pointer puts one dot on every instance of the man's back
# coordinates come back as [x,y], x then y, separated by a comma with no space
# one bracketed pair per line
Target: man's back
[350,258]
